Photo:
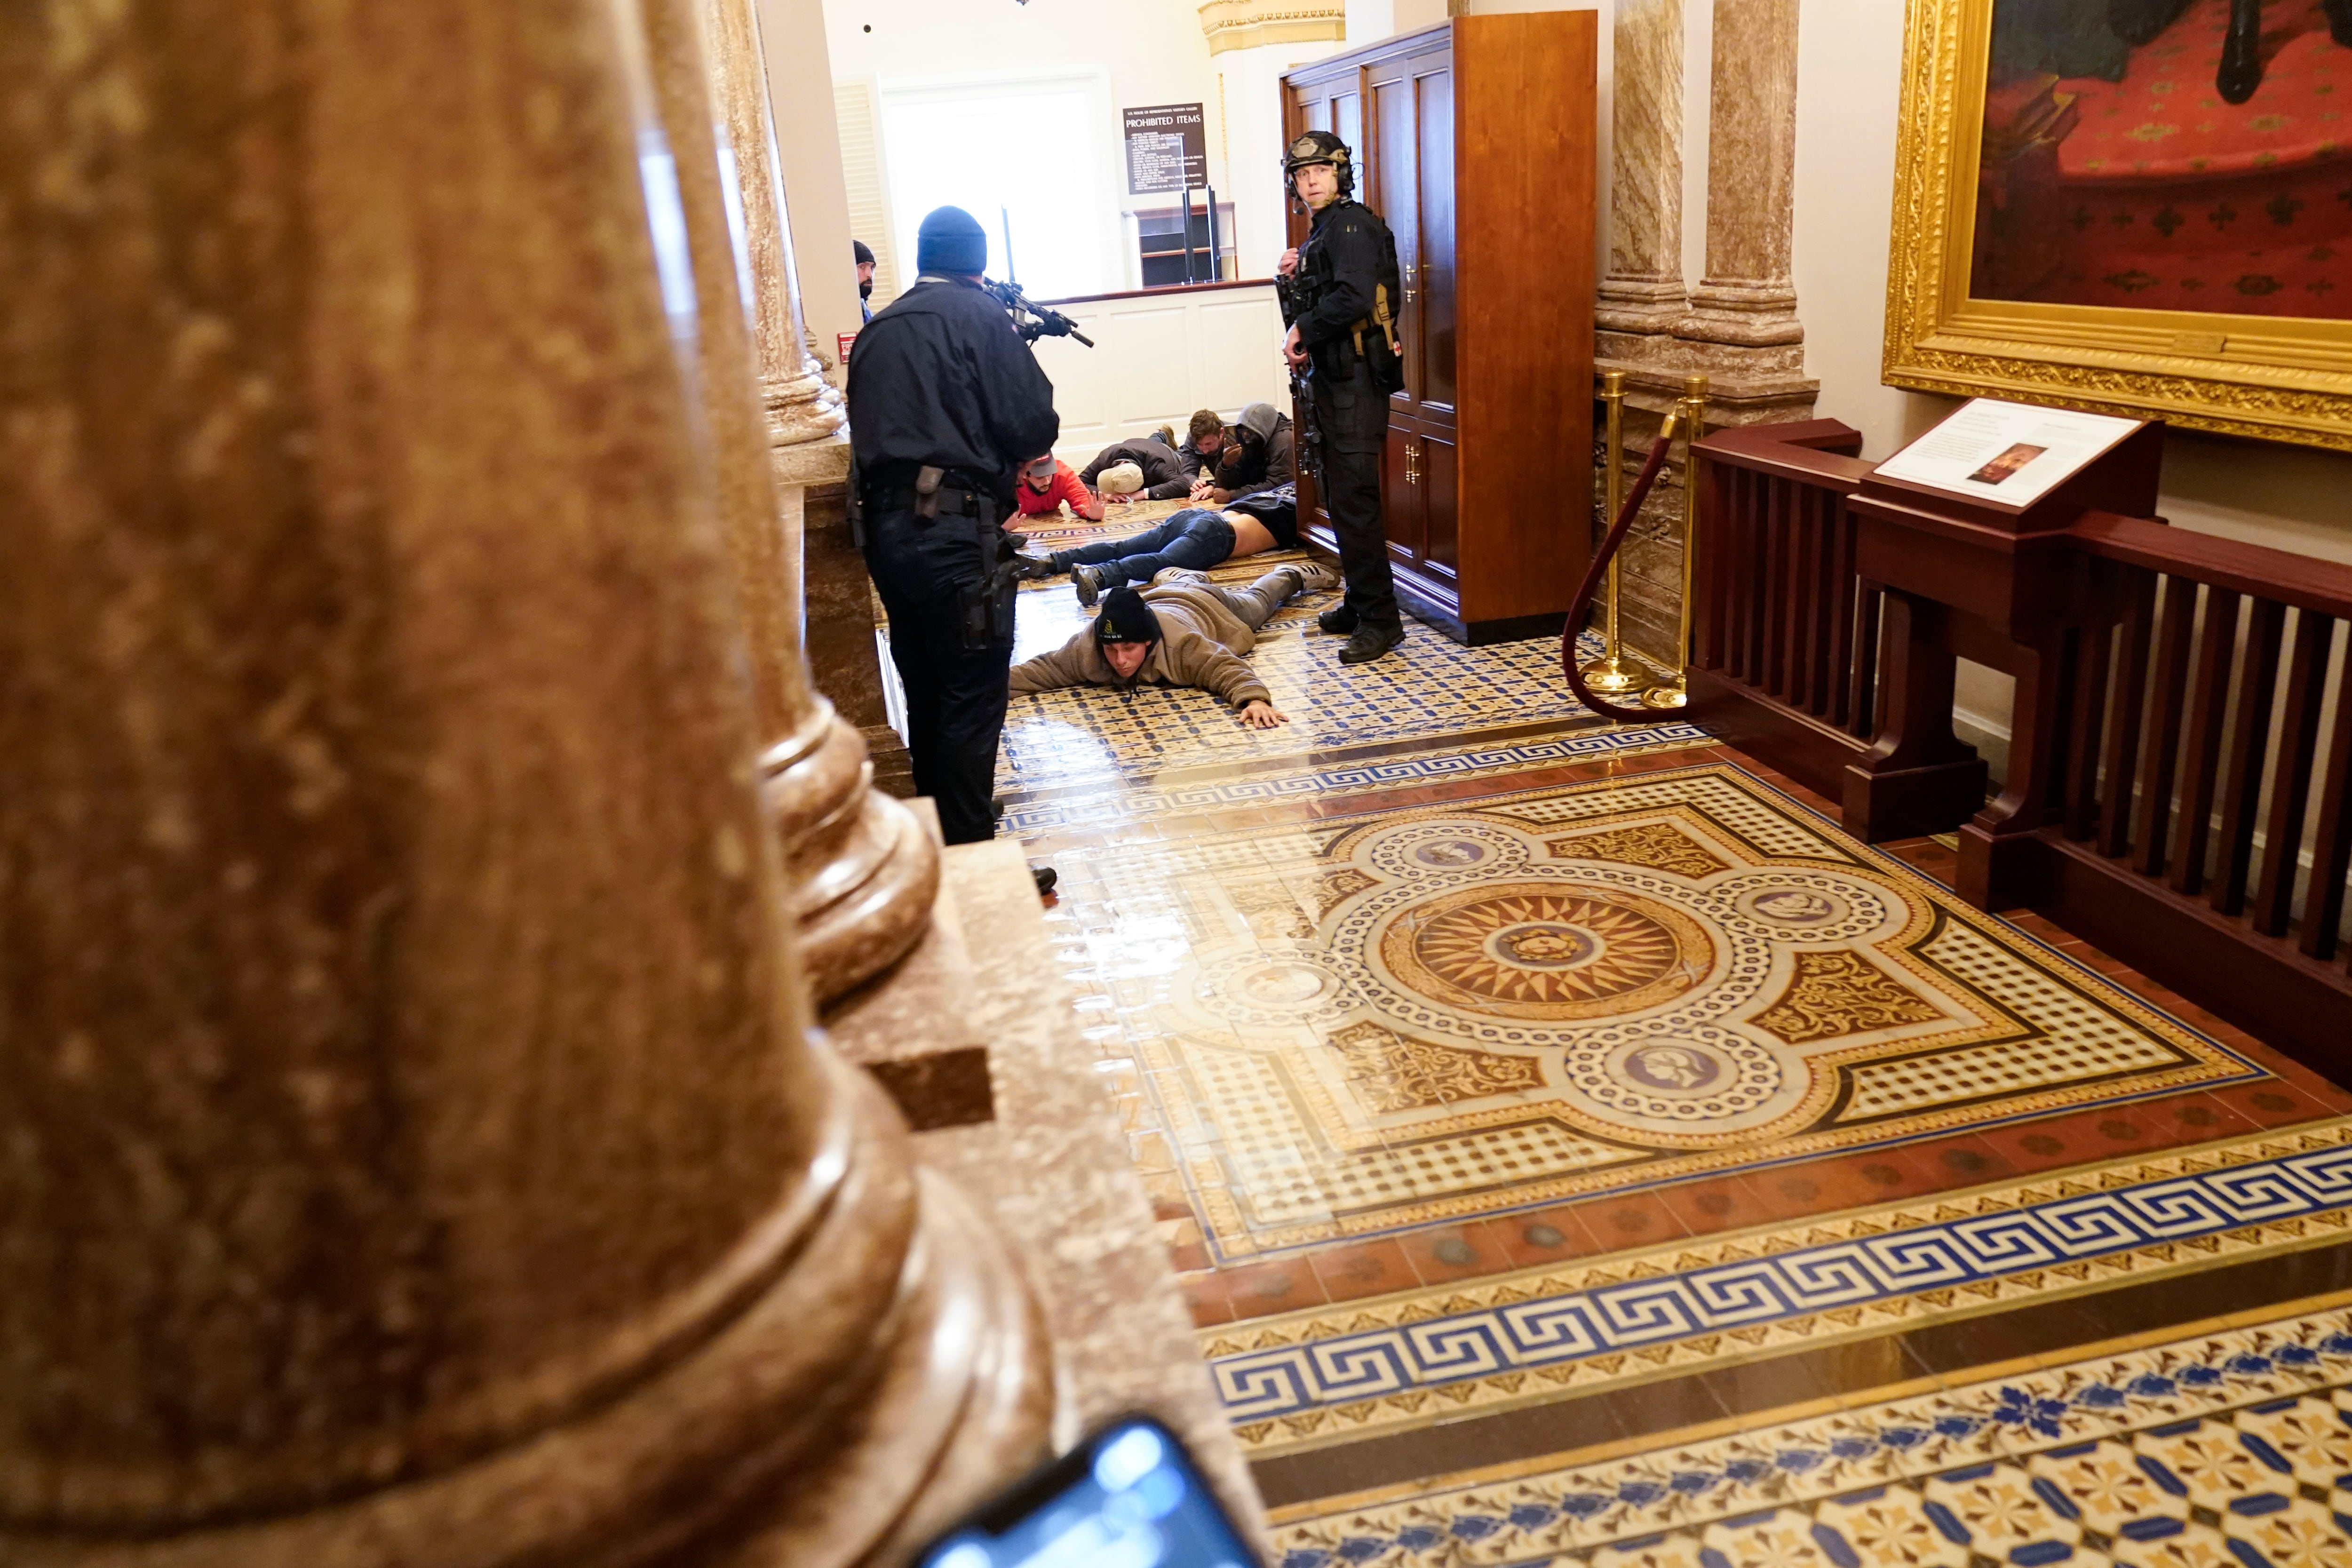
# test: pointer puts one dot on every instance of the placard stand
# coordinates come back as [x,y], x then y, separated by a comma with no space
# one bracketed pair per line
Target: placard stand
[1977,579]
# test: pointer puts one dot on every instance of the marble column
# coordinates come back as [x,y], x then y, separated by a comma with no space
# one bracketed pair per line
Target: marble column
[413,1150]
[861,870]
[802,406]
[1747,301]
[1642,297]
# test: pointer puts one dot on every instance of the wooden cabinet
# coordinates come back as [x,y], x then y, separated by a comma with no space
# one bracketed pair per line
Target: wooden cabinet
[1475,141]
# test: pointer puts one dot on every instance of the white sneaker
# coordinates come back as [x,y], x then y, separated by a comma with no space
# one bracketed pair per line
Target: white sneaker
[1314,577]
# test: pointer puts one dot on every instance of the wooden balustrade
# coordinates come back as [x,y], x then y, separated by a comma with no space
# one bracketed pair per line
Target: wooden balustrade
[2199,790]
[1782,613]
[2180,785]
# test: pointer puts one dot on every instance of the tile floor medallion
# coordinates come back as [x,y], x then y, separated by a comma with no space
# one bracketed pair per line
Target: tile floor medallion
[1520,1095]
[2230,1447]
[1414,1017]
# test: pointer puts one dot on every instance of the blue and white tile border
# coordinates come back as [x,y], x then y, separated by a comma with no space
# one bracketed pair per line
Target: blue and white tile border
[1304,1380]
[1912,1459]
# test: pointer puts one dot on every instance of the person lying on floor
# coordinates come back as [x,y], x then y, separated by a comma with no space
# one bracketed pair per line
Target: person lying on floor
[1192,540]
[1205,440]
[1046,482]
[1183,630]
[1261,456]
[1158,474]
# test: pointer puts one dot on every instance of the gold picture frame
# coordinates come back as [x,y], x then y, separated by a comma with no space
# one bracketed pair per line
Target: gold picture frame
[2275,378]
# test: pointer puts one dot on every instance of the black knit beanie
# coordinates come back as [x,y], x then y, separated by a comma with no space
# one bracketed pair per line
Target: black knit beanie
[952,241]
[1125,617]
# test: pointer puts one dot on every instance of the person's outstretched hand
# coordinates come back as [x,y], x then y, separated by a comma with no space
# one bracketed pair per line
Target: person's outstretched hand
[1263,716]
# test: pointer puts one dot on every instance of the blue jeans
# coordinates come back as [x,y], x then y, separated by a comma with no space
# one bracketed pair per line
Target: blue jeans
[1194,539]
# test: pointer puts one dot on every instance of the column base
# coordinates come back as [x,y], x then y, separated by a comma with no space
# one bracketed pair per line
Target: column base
[941,1432]
[890,1373]
[1639,307]
[1748,316]
[1740,389]
[1038,1149]
[805,408]
[860,872]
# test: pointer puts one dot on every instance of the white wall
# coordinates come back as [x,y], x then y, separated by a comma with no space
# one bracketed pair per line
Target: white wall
[1850,56]
[1154,52]
[1157,359]
[1253,96]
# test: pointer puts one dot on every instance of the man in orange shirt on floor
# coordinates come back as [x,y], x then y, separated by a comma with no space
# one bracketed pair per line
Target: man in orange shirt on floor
[1046,482]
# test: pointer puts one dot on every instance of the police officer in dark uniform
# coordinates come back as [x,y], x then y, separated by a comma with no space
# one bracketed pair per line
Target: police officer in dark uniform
[945,402]
[1346,274]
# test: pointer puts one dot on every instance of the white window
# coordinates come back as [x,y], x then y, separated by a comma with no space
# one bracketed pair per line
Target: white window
[1022,154]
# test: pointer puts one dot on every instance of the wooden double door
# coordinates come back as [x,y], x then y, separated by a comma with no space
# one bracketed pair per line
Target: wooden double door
[1397,112]
[1474,141]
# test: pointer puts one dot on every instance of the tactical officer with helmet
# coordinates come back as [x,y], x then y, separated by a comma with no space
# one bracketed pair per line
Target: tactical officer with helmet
[945,402]
[1339,290]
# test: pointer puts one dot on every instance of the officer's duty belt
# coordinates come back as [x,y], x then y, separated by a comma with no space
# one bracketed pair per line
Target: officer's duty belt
[951,502]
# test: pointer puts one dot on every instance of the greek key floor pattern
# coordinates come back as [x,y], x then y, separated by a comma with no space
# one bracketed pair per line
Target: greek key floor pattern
[1339,1374]
[2226,1448]
[1575,1149]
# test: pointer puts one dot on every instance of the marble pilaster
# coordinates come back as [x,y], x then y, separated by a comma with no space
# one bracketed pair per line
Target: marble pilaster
[861,872]
[1642,297]
[416,1149]
[1746,303]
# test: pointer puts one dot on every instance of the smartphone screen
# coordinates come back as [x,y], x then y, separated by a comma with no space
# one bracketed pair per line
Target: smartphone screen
[1129,1496]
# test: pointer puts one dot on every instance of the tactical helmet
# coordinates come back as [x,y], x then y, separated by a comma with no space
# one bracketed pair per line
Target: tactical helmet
[1319,147]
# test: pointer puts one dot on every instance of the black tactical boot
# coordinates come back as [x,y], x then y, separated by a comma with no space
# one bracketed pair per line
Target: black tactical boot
[1370,643]
[1339,620]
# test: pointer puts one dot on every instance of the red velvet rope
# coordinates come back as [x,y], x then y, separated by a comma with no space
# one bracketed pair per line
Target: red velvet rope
[1582,605]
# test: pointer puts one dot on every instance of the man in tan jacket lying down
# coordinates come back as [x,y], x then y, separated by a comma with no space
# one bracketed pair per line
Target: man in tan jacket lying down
[1183,630]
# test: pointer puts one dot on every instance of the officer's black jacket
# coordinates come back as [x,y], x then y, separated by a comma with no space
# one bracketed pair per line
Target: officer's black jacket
[940,379]
[1347,254]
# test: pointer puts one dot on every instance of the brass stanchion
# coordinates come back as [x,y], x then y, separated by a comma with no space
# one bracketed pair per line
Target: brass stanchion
[1607,673]
[1693,408]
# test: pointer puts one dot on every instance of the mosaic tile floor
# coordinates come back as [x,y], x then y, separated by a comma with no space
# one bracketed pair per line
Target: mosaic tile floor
[2228,1447]
[1576,1150]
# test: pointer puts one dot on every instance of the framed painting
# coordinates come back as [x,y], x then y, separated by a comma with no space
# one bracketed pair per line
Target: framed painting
[2138,207]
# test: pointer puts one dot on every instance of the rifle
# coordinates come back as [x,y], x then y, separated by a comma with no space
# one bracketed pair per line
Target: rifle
[1031,319]
[1297,294]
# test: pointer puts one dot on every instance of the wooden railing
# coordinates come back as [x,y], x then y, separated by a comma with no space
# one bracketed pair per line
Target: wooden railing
[2179,782]
[2193,750]
[1781,610]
